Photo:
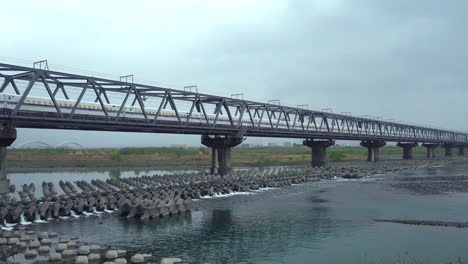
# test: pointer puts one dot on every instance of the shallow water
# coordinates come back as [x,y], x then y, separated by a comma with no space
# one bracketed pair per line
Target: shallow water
[322,222]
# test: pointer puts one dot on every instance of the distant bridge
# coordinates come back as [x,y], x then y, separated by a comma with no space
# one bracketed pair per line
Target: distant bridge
[36,144]
[111,105]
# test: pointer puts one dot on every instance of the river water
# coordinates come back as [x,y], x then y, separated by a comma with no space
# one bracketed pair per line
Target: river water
[323,222]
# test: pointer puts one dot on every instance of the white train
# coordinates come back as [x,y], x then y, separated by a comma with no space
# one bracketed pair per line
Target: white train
[43,104]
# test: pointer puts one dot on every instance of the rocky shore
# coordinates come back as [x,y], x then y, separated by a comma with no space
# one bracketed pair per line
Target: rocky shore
[53,247]
[432,184]
[425,222]
[146,197]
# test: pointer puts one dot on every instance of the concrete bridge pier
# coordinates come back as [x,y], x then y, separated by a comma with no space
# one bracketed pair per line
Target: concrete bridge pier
[220,152]
[461,150]
[7,137]
[407,149]
[319,150]
[448,150]
[373,146]
[214,161]
[430,149]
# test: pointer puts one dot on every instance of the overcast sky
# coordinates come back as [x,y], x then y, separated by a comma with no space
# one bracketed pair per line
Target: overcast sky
[406,60]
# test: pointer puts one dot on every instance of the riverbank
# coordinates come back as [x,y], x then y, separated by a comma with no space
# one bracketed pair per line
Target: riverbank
[20,160]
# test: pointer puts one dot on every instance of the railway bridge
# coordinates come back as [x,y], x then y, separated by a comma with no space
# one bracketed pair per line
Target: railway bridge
[36,97]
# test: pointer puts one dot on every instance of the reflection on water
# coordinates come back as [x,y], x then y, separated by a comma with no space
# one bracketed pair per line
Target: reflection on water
[115,174]
[322,222]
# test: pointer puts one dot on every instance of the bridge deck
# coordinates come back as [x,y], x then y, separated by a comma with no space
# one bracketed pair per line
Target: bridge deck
[227,117]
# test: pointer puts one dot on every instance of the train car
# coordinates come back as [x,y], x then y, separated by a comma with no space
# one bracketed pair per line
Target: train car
[44,104]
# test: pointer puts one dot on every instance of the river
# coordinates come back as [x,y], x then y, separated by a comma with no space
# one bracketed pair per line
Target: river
[329,221]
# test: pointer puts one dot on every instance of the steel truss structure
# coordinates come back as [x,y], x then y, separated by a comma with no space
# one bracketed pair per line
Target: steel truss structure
[300,122]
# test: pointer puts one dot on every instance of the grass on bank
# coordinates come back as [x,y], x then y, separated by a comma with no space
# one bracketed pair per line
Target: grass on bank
[177,156]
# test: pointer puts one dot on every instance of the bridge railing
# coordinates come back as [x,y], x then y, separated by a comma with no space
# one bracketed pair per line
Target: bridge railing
[215,114]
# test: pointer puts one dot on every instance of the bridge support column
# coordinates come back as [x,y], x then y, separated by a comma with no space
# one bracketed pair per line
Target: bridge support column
[430,150]
[407,149]
[7,137]
[448,150]
[214,161]
[461,150]
[319,150]
[373,153]
[220,152]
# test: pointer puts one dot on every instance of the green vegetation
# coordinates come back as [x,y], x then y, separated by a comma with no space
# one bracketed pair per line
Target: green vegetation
[115,155]
[163,151]
[177,156]
[333,155]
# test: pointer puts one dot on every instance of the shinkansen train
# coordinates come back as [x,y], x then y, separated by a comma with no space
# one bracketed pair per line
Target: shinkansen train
[43,104]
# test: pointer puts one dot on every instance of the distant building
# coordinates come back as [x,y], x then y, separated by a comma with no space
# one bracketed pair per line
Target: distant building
[245,145]
[272,144]
[287,144]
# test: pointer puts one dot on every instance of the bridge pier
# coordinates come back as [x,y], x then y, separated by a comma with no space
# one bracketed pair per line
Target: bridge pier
[373,146]
[220,152]
[319,150]
[407,149]
[448,150]
[214,161]
[7,137]
[430,149]
[461,150]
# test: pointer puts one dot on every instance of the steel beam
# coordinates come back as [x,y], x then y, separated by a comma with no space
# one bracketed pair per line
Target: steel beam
[304,123]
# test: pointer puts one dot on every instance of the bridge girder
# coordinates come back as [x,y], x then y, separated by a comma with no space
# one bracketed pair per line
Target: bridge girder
[300,122]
